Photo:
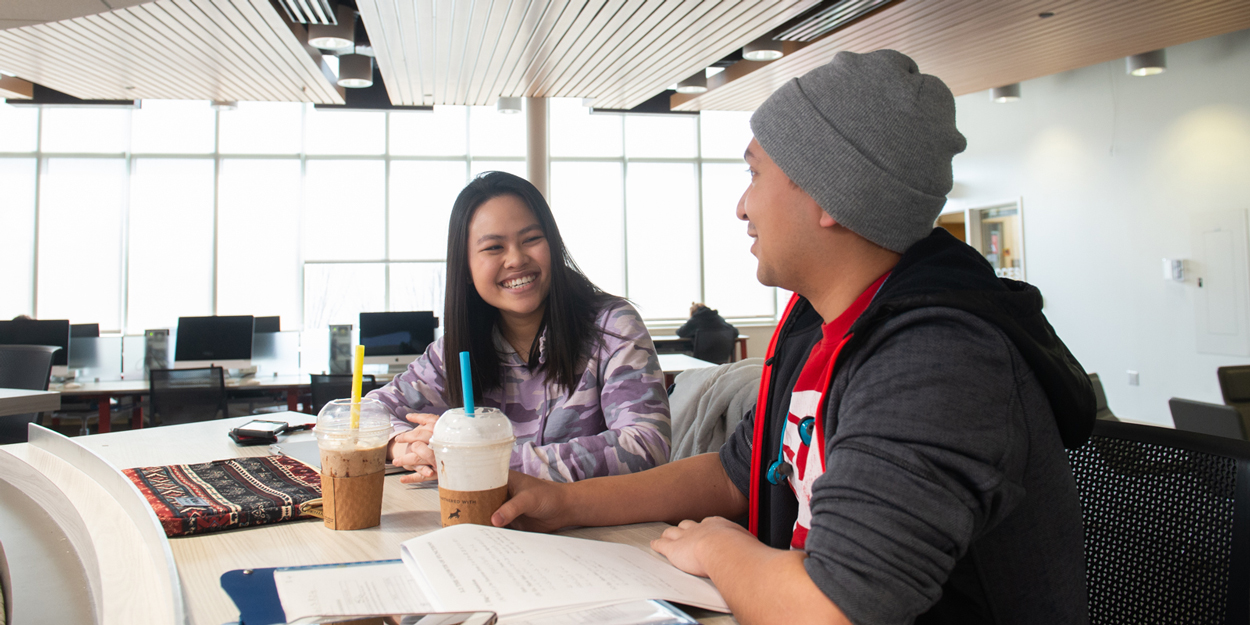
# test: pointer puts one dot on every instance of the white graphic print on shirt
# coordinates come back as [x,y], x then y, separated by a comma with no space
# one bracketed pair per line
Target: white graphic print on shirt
[806,461]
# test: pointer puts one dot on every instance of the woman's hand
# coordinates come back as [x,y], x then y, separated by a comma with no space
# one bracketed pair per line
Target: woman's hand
[411,449]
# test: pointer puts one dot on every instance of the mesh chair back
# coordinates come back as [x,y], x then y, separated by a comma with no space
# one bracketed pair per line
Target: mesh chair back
[1100,399]
[327,388]
[715,344]
[26,367]
[1167,525]
[187,395]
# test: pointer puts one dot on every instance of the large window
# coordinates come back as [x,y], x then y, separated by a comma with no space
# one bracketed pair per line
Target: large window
[131,217]
[646,204]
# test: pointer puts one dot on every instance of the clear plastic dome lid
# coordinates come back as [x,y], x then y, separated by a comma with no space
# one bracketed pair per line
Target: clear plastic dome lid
[487,426]
[336,415]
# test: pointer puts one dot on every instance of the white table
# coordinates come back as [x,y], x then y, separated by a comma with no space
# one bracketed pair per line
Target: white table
[19,401]
[672,364]
[676,363]
[407,511]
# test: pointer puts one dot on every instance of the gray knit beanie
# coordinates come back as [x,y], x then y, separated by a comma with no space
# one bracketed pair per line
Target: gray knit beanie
[871,139]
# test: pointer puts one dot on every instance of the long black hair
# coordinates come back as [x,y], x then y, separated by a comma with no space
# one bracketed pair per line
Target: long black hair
[572,303]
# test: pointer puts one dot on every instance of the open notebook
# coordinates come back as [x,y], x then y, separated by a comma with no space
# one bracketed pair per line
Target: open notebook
[523,577]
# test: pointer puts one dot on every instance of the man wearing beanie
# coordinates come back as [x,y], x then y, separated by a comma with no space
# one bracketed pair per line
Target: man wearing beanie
[905,462]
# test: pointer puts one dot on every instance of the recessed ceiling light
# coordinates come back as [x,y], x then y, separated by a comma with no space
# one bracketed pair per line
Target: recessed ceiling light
[693,85]
[762,49]
[508,106]
[355,71]
[1005,93]
[334,36]
[1147,63]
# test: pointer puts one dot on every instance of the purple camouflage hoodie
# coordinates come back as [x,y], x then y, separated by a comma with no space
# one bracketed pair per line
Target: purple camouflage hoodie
[616,420]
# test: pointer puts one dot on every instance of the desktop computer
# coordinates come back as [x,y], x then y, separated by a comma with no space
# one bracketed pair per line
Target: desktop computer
[218,341]
[396,338]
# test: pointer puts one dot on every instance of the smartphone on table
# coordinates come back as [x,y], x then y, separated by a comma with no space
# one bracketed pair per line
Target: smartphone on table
[258,432]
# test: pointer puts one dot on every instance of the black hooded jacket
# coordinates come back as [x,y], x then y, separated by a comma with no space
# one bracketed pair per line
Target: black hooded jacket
[940,270]
[987,466]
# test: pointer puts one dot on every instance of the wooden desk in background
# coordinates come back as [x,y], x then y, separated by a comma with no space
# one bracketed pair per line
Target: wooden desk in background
[677,344]
[293,385]
[195,563]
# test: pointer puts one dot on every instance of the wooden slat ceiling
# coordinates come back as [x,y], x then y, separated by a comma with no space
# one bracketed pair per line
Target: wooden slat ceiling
[171,49]
[974,45]
[619,52]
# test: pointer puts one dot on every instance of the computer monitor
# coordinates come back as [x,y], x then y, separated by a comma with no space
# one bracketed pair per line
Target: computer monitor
[267,325]
[53,332]
[396,338]
[84,331]
[224,341]
[1205,418]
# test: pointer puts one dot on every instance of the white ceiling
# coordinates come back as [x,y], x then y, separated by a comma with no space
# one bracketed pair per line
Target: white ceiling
[619,52]
[15,13]
[172,49]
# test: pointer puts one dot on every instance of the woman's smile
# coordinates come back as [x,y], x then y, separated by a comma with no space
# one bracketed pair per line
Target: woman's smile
[509,259]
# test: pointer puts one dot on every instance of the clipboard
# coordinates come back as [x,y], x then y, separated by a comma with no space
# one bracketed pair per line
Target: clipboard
[255,594]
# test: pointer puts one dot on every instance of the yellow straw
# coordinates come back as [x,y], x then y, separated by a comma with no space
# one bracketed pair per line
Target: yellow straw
[358,376]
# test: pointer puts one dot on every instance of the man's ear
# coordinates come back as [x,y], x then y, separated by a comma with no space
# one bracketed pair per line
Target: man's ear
[826,221]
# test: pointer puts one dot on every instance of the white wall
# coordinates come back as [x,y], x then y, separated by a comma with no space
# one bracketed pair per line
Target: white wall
[1110,169]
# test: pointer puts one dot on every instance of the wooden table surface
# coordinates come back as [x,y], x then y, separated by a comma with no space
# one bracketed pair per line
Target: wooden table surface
[407,511]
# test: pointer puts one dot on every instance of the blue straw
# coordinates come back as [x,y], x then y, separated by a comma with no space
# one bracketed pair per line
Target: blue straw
[466,383]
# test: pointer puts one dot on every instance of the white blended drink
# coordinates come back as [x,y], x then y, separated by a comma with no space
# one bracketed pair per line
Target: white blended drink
[353,463]
[471,455]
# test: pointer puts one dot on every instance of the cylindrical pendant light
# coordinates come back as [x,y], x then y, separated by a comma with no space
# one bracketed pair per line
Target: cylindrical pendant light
[694,84]
[1006,93]
[1147,63]
[762,49]
[355,71]
[508,106]
[334,36]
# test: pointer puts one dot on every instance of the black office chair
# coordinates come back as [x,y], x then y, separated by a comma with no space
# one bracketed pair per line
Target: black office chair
[1100,399]
[1235,387]
[186,395]
[715,344]
[1205,418]
[26,367]
[1167,525]
[327,388]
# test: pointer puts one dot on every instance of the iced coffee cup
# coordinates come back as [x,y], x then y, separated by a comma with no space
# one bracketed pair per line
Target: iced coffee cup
[353,463]
[471,455]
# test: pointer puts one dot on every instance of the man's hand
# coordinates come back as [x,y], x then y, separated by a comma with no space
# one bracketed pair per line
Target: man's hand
[533,505]
[688,544]
[411,449]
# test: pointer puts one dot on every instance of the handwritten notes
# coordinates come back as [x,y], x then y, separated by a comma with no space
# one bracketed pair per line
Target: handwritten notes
[472,567]
[382,587]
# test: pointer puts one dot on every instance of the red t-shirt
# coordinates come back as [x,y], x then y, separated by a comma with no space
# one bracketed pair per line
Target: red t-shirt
[808,460]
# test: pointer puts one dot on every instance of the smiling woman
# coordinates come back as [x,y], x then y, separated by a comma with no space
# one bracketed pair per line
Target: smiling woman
[572,367]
